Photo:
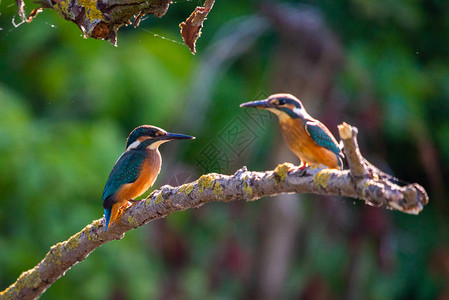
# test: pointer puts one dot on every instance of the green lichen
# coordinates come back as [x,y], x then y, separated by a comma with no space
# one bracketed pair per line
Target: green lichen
[148,200]
[322,177]
[247,190]
[133,221]
[54,255]
[159,199]
[73,242]
[91,10]
[63,9]
[87,231]
[89,237]
[189,189]
[207,181]
[218,190]
[96,223]
[93,237]
[366,185]
[182,188]
[282,170]
[29,279]
[186,188]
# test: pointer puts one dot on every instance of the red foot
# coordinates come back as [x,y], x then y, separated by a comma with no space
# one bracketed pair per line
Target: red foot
[303,165]
[303,168]
[133,202]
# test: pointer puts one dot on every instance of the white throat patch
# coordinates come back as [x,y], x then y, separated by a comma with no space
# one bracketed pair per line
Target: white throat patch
[299,112]
[133,145]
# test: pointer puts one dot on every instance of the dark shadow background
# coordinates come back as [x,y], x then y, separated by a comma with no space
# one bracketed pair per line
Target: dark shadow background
[67,105]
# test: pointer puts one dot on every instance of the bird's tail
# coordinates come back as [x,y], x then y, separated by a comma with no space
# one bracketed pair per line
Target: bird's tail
[107,217]
[111,213]
[340,161]
[384,175]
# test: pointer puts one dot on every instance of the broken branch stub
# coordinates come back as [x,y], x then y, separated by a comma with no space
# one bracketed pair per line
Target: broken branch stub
[377,187]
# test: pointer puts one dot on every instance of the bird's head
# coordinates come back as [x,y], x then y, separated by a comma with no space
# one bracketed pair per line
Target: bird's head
[283,105]
[147,136]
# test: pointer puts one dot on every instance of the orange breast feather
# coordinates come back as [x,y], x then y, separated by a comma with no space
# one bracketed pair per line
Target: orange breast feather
[300,143]
[150,169]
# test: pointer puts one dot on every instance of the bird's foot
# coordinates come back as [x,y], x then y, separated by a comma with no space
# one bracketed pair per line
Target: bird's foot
[133,202]
[125,206]
[121,210]
[303,165]
[130,203]
[302,170]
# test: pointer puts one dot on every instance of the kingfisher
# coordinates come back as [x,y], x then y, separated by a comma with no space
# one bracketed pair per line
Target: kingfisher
[306,137]
[136,169]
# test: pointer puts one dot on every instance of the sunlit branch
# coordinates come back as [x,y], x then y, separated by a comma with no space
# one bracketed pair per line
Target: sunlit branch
[363,181]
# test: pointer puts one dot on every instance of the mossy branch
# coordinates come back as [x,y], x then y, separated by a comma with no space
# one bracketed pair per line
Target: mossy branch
[363,181]
[101,19]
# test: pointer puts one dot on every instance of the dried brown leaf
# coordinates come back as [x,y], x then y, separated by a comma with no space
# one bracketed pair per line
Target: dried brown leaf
[191,28]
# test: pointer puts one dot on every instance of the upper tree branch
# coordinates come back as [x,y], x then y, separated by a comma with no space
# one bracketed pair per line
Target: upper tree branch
[101,19]
[362,181]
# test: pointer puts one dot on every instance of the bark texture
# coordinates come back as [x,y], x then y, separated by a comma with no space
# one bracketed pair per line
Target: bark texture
[363,181]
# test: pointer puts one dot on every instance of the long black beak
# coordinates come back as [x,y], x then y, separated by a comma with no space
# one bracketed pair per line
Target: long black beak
[177,136]
[257,104]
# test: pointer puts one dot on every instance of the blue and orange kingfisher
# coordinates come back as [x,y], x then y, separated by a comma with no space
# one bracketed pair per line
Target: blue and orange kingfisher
[306,137]
[136,169]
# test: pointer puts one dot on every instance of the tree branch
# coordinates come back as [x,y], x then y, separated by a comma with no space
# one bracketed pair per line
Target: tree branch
[101,19]
[363,181]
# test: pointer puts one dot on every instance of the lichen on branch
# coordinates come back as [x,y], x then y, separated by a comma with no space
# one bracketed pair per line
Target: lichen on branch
[101,19]
[362,181]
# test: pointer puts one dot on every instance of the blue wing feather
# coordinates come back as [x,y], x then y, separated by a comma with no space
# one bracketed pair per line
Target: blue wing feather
[322,137]
[126,170]
[107,217]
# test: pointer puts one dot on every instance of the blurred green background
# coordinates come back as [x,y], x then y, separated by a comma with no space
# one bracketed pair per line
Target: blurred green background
[67,105]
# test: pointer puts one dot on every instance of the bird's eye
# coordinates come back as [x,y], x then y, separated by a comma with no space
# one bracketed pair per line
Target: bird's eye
[281,101]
